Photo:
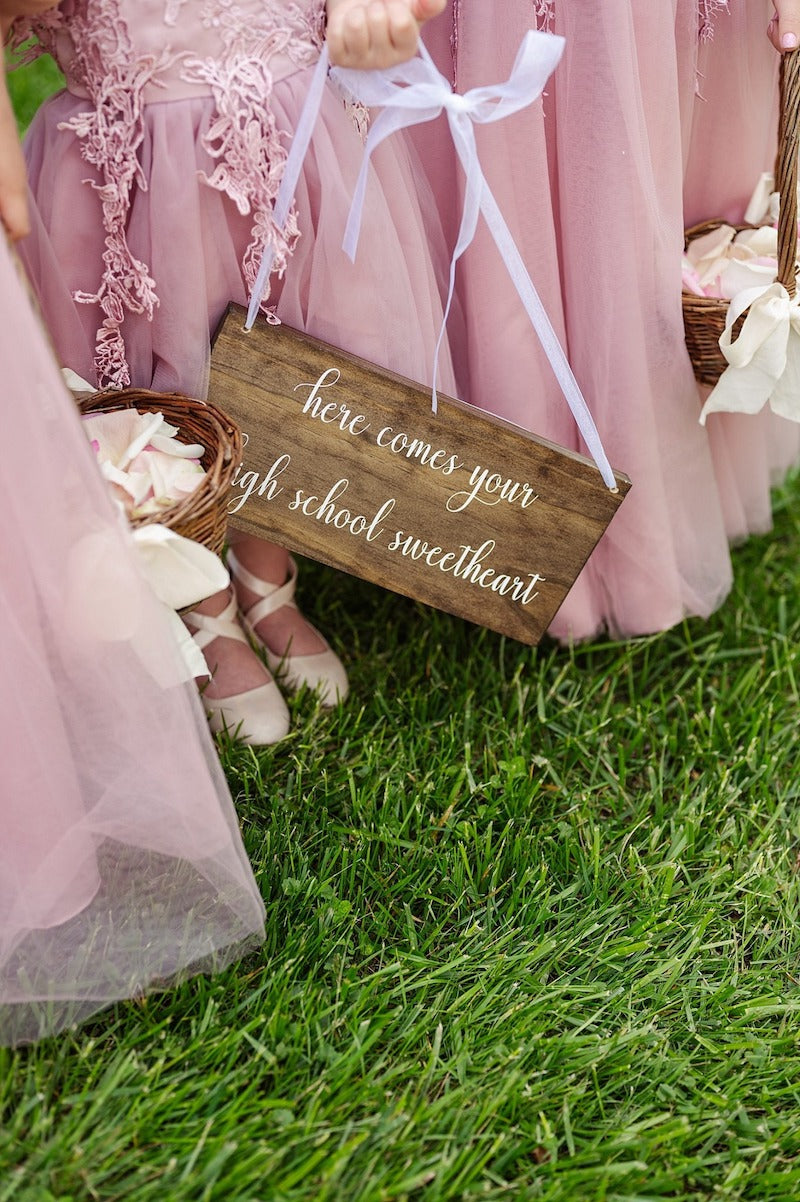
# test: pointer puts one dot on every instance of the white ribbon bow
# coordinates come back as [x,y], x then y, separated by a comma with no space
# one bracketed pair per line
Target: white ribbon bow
[764,361]
[410,94]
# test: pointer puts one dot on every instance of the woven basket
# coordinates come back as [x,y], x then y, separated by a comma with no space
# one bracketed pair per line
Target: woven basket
[704,316]
[202,516]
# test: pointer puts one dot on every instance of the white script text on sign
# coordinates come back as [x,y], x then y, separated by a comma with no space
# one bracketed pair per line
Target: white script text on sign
[346,463]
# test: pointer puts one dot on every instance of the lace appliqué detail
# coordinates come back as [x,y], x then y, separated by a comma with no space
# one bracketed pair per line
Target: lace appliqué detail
[111,134]
[359,116]
[357,113]
[707,12]
[544,14]
[244,140]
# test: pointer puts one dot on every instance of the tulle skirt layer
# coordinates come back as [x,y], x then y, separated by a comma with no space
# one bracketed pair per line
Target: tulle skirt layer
[121,863]
[386,307]
[591,180]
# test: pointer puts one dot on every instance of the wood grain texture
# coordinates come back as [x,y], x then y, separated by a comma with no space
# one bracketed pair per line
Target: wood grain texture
[346,463]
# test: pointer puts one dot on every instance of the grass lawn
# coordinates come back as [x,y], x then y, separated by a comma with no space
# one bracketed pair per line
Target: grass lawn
[532,934]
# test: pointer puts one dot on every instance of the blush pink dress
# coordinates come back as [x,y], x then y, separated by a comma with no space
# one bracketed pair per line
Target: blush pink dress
[121,864]
[656,109]
[155,173]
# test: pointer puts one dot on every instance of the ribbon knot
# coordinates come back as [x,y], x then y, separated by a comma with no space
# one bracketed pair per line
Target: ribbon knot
[410,94]
[456,103]
[764,360]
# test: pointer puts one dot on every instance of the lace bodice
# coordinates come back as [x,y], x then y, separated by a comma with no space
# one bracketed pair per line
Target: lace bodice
[123,55]
[177,47]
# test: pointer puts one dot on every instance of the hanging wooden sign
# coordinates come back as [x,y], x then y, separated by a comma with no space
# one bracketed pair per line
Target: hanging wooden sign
[346,463]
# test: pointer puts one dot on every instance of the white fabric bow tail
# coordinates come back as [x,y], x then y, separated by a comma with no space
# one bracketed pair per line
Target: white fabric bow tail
[764,360]
[181,573]
[410,94]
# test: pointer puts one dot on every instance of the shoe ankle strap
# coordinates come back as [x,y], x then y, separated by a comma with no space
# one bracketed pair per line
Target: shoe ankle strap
[273,596]
[207,627]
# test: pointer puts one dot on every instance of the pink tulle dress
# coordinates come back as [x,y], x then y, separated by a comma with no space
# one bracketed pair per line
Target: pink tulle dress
[121,863]
[654,108]
[155,173]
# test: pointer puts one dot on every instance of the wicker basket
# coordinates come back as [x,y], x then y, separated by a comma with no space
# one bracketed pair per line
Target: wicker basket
[203,516]
[703,316]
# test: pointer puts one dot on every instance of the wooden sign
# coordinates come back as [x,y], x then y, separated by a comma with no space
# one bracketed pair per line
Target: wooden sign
[347,464]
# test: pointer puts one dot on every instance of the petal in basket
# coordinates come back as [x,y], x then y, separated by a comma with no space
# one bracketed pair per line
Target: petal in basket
[149,470]
[140,455]
[722,262]
[201,515]
[754,363]
[763,206]
[764,360]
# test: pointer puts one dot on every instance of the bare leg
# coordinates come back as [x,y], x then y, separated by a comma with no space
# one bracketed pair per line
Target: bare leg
[235,666]
[286,628]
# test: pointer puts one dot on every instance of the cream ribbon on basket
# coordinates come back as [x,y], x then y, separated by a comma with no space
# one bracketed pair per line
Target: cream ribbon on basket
[181,573]
[411,94]
[764,361]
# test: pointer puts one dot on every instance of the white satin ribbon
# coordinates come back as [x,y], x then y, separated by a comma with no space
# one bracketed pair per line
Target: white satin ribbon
[291,177]
[181,573]
[764,360]
[410,94]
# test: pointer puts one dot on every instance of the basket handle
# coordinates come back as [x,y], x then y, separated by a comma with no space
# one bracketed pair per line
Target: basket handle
[789,131]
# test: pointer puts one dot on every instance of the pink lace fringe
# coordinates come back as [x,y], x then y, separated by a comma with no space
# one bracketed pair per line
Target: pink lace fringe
[112,131]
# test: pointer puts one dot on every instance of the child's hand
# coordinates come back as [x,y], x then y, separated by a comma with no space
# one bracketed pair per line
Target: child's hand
[784,28]
[376,33]
[13,188]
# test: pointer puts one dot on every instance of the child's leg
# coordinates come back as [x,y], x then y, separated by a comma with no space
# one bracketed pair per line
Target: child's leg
[286,629]
[241,696]
[264,577]
[234,665]
[241,693]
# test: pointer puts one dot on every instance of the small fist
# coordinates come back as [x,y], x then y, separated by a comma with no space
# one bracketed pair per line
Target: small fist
[784,28]
[368,34]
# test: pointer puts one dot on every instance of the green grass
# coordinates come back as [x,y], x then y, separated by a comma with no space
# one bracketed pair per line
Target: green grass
[532,934]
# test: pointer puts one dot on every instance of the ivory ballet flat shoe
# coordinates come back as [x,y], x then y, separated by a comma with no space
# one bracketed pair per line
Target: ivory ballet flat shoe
[259,716]
[321,671]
